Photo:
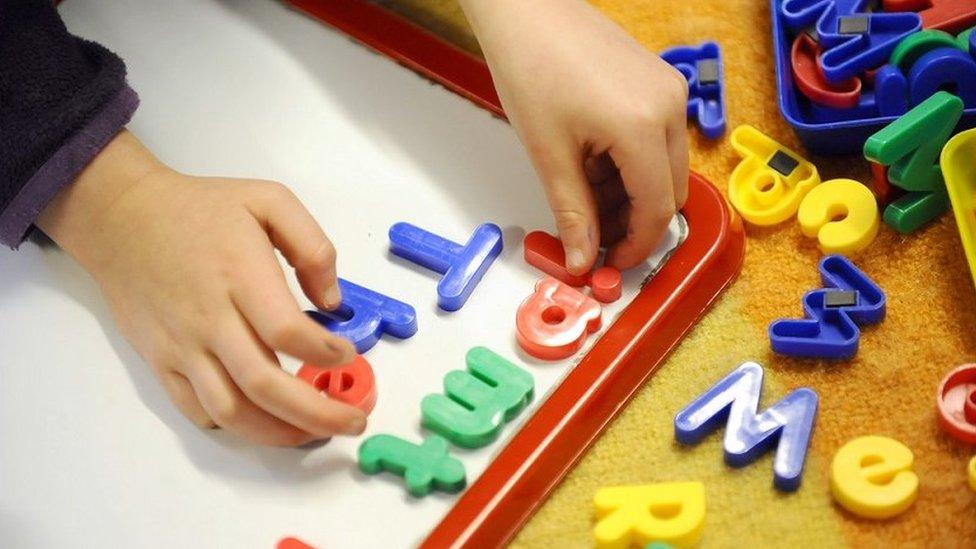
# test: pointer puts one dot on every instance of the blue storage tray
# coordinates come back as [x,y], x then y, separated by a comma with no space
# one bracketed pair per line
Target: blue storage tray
[827,138]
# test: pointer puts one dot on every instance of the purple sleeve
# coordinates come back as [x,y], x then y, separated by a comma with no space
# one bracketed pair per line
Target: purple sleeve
[62,99]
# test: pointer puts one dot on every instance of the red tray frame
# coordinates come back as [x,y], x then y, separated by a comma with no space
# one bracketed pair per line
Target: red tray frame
[493,509]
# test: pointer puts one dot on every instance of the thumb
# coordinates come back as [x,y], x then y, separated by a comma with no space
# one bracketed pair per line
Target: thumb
[573,206]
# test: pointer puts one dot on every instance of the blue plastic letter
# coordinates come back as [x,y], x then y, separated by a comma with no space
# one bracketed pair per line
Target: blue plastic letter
[734,401]
[831,331]
[702,68]
[365,315]
[854,38]
[462,266]
[941,69]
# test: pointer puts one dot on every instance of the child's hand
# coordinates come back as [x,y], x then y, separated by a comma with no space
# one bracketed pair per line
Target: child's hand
[602,118]
[188,268]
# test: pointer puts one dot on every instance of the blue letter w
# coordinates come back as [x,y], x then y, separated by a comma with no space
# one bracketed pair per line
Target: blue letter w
[734,401]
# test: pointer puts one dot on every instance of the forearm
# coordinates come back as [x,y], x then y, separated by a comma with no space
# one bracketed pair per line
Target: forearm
[486,18]
[490,19]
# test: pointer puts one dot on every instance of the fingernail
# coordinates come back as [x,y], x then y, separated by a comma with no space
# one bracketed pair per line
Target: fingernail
[356,426]
[332,296]
[575,259]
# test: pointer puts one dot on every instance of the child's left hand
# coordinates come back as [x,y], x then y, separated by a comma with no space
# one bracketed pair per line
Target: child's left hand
[602,118]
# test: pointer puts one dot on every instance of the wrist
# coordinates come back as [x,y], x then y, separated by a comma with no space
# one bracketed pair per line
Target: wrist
[74,219]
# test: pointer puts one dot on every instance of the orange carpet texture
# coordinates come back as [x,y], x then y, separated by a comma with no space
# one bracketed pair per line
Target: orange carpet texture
[888,389]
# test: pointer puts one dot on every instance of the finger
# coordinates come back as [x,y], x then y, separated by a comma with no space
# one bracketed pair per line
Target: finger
[263,298]
[256,371]
[573,206]
[302,242]
[678,154]
[646,172]
[232,411]
[181,392]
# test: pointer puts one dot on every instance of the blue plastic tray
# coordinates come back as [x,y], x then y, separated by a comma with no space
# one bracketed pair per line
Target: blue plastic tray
[828,138]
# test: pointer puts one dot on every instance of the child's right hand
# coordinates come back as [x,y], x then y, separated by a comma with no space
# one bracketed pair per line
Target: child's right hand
[188,268]
[602,119]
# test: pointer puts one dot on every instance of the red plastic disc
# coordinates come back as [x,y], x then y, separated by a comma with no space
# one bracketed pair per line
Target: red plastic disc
[956,403]
[606,284]
[351,383]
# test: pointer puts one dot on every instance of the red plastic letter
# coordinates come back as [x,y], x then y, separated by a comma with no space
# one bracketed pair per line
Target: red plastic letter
[956,402]
[952,16]
[805,58]
[351,383]
[553,322]
[545,252]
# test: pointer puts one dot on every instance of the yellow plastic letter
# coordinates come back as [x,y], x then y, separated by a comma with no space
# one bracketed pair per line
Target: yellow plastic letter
[841,214]
[637,515]
[872,477]
[959,171]
[768,184]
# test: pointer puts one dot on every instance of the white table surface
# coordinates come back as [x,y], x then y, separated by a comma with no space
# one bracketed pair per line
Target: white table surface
[92,452]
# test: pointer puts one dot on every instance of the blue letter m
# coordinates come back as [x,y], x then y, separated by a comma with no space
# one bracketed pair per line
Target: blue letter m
[734,401]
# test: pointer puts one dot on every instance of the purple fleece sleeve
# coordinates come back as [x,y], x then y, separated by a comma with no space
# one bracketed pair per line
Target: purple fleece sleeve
[62,99]
[63,166]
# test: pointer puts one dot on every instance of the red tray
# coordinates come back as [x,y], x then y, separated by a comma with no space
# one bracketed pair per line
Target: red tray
[538,456]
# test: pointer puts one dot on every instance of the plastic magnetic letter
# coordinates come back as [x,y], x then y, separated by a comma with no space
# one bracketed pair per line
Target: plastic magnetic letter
[424,468]
[841,214]
[553,322]
[545,252]
[462,266]
[788,424]
[671,512]
[809,78]
[352,383]
[940,69]
[830,331]
[766,187]
[292,543]
[960,180]
[872,477]
[702,68]
[882,189]
[890,91]
[477,402]
[911,146]
[914,46]
[946,15]
[972,473]
[365,315]
[956,403]
[854,39]
[966,41]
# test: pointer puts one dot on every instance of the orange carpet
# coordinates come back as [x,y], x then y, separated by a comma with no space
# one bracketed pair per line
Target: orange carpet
[888,389]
